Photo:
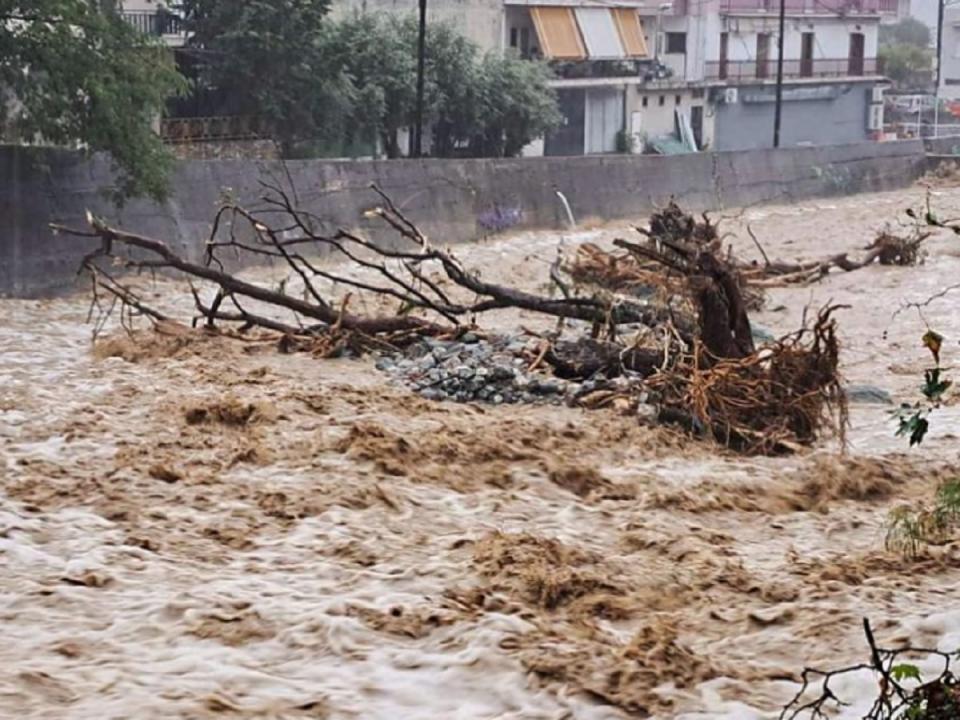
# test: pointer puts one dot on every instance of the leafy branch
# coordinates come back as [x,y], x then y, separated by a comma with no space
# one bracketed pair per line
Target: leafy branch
[913,419]
[901,692]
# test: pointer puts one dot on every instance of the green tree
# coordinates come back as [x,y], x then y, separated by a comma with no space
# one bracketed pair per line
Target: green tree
[905,54]
[519,106]
[906,65]
[908,31]
[375,54]
[269,59]
[489,106]
[75,74]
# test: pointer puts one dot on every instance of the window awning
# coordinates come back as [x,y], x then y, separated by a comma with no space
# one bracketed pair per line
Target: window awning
[600,34]
[630,28]
[567,33]
[558,33]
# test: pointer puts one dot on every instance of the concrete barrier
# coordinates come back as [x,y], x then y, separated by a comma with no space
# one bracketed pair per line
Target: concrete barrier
[452,200]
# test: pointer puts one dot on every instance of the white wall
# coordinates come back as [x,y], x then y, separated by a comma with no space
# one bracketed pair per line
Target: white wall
[831,37]
[950,59]
[656,120]
[480,20]
[140,5]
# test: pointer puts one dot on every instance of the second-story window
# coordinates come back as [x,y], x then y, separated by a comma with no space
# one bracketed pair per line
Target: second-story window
[676,43]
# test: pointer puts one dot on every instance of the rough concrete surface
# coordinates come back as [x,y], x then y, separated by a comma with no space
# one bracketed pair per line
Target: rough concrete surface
[452,200]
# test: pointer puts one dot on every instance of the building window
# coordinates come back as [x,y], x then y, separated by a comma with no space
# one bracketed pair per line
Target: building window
[676,99]
[525,42]
[676,43]
[663,99]
[644,101]
[698,93]
[513,37]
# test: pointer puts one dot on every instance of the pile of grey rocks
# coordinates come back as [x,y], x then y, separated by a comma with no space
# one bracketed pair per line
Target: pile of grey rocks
[490,369]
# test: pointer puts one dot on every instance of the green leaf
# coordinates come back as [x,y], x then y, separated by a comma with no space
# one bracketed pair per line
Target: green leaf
[913,424]
[905,671]
[934,387]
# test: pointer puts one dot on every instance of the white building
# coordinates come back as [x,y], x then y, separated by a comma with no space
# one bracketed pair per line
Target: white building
[154,18]
[950,54]
[831,80]
[674,75]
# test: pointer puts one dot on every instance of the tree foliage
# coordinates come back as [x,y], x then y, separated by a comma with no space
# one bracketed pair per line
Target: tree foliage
[352,82]
[268,58]
[905,64]
[905,53]
[76,74]
[908,31]
[476,105]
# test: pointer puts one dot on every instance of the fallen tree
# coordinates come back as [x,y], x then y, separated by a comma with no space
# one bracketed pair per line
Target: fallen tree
[637,272]
[694,354]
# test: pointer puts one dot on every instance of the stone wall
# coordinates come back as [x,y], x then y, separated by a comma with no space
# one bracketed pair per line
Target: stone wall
[452,200]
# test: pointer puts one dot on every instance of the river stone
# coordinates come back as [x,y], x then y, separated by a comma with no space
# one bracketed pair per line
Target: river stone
[868,395]
[761,335]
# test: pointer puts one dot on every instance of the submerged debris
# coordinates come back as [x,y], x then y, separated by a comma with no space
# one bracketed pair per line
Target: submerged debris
[494,369]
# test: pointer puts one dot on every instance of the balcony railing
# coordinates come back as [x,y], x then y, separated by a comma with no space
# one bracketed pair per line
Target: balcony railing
[831,7]
[742,70]
[154,23]
[200,129]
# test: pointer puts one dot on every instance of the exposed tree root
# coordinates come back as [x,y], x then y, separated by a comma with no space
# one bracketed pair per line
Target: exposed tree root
[766,402]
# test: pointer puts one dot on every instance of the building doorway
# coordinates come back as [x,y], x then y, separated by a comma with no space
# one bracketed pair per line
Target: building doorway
[604,119]
[763,55]
[568,138]
[724,54]
[696,124]
[855,64]
[806,55]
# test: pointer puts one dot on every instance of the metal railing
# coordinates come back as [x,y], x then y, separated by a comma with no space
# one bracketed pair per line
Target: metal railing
[739,70]
[154,23]
[833,7]
[198,129]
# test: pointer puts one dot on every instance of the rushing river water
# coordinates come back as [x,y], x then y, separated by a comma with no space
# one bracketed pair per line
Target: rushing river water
[208,528]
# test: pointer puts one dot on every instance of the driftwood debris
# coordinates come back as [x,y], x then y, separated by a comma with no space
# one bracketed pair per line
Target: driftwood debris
[417,277]
[687,347]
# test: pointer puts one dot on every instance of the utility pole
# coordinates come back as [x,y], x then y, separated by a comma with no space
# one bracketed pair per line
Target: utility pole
[936,89]
[778,109]
[421,54]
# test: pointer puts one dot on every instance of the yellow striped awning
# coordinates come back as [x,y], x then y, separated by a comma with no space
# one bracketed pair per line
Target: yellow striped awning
[630,28]
[558,32]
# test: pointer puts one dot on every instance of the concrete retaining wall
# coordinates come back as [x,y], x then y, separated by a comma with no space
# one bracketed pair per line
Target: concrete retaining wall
[453,201]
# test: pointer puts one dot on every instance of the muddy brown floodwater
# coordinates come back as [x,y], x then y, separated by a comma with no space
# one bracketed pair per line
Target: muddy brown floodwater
[196,528]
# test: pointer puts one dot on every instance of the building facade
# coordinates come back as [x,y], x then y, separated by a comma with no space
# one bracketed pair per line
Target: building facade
[950,54]
[832,86]
[676,75]
[154,18]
